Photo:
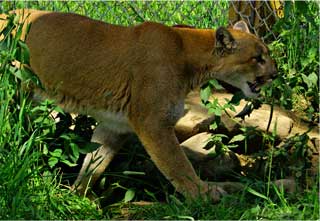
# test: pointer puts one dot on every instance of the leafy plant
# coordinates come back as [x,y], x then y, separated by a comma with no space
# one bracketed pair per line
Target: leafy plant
[296,52]
[213,106]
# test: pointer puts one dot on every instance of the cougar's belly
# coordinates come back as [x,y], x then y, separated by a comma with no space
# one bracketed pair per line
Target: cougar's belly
[116,122]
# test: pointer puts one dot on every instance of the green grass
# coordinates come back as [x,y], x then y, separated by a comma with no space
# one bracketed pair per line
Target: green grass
[33,183]
[28,188]
[205,14]
[242,206]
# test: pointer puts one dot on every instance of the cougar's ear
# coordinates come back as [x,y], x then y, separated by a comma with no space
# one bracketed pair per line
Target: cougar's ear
[224,40]
[242,26]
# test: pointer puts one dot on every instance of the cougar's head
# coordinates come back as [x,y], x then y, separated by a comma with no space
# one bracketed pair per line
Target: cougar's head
[243,60]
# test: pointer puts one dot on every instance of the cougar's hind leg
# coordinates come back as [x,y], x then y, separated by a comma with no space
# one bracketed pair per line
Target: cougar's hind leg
[96,162]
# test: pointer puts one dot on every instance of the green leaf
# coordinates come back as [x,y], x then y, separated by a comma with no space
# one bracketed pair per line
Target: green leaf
[216,84]
[45,149]
[313,78]
[56,153]
[205,93]
[67,162]
[129,195]
[218,136]
[52,161]
[22,75]
[30,75]
[230,146]
[213,126]
[59,109]
[151,194]
[237,138]
[252,191]
[218,112]
[65,136]
[255,210]
[306,80]
[23,54]
[133,173]
[75,150]
[210,110]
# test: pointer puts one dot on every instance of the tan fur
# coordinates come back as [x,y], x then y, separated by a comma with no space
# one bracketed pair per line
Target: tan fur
[138,76]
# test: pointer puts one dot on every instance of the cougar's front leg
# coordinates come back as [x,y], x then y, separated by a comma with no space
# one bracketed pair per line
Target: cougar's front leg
[161,144]
[96,162]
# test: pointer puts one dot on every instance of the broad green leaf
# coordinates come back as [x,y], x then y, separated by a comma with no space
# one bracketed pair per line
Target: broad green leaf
[306,80]
[67,162]
[65,136]
[129,195]
[313,78]
[205,93]
[215,84]
[255,210]
[59,109]
[213,126]
[30,75]
[45,149]
[211,110]
[75,150]
[24,56]
[53,161]
[237,138]
[217,112]
[56,153]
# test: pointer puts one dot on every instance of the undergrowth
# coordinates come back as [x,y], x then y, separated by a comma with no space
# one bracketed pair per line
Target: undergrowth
[30,186]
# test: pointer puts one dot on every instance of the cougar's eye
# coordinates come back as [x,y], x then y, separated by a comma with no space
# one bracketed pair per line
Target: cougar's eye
[259,59]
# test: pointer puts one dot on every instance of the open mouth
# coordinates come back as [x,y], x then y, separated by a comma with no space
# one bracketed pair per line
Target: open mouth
[254,87]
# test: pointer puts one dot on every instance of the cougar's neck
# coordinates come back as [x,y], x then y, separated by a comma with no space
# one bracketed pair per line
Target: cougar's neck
[198,48]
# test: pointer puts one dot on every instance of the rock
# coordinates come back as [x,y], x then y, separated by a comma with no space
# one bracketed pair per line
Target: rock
[289,185]
[204,158]
[193,129]
[198,120]
[195,120]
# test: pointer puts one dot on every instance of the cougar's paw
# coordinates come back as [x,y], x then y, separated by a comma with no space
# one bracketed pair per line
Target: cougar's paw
[214,192]
[230,187]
